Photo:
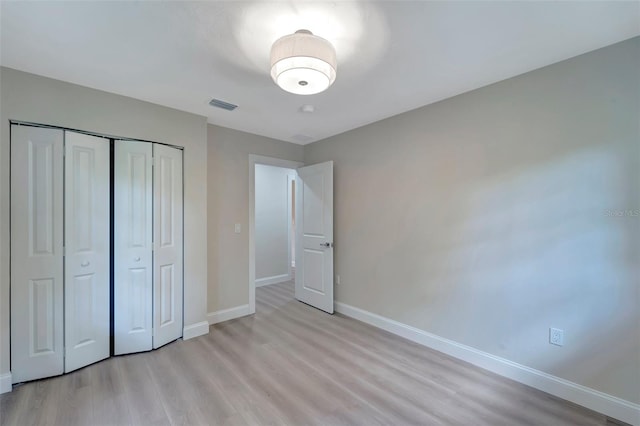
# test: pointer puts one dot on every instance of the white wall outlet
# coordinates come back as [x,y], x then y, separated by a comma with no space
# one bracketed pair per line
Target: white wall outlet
[238,228]
[338,279]
[556,336]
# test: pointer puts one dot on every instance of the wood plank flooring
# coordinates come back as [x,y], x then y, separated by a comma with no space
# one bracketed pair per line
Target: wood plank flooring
[288,364]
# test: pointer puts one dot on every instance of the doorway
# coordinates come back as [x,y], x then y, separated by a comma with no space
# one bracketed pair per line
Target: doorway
[274,224]
[271,222]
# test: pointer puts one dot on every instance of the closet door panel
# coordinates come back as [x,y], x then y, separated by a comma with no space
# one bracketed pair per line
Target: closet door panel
[37,348]
[133,247]
[168,235]
[87,246]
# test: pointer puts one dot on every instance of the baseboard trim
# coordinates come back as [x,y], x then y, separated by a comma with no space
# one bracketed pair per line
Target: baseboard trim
[601,402]
[228,314]
[273,280]
[194,330]
[5,382]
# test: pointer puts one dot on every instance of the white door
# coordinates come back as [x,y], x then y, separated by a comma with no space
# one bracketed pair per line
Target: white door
[167,240]
[37,348]
[133,258]
[314,235]
[87,250]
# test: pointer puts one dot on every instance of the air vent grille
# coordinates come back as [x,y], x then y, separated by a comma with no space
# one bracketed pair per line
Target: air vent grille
[222,104]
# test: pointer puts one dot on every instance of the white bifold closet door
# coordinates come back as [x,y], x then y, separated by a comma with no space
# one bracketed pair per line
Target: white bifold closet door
[148,246]
[37,347]
[168,246]
[87,250]
[59,251]
[133,268]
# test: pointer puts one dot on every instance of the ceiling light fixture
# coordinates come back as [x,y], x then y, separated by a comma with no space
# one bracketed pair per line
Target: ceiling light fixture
[303,63]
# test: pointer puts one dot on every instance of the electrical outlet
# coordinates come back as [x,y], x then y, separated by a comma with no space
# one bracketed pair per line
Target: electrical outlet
[237,228]
[556,336]
[338,279]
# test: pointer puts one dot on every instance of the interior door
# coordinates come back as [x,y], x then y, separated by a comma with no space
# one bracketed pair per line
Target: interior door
[37,348]
[168,245]
[314,235]
[87,250]
[133,236]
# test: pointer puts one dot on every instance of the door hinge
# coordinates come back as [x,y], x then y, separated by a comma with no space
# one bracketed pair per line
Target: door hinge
[64,251]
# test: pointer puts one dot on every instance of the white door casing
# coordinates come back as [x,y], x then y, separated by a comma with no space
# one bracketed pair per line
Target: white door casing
[168,244]
[314,235]
[37,347]
[87,250]
[291,231]
[133,237]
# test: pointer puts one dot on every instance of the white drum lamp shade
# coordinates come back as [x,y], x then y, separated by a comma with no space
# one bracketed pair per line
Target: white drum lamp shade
[303,63]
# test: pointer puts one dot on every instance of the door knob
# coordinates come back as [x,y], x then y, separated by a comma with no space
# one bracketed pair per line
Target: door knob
[137,259]
[84,264]
[326,244]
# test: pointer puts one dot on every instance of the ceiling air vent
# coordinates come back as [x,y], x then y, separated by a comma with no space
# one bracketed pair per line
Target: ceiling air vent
[222,104]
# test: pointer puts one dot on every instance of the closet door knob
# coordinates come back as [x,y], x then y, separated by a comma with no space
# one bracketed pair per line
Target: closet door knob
[137,259]
[84,264]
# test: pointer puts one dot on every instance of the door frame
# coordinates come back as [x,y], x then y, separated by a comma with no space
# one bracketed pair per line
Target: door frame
[291,179]
[269,161]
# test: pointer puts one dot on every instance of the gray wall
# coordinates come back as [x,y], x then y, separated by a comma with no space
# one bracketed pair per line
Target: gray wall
[229,204]
[42,100]
[272,221]
[487,218]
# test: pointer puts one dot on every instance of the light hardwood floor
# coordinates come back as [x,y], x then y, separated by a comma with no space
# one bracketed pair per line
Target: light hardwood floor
[288,364]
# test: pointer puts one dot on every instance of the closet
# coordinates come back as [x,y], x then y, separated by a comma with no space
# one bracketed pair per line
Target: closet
[96,248]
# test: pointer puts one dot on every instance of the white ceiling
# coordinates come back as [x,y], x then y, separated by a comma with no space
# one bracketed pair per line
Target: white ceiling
[392,56]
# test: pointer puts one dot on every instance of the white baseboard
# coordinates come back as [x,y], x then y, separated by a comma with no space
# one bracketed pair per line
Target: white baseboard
[273,280]
[228,314]
[5,382]
[601,402]
[194,330]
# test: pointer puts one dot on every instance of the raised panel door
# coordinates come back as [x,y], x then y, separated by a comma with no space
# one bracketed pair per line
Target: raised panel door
[133,267]
[168,234]
[314,234]
[37,348]
[87,247]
